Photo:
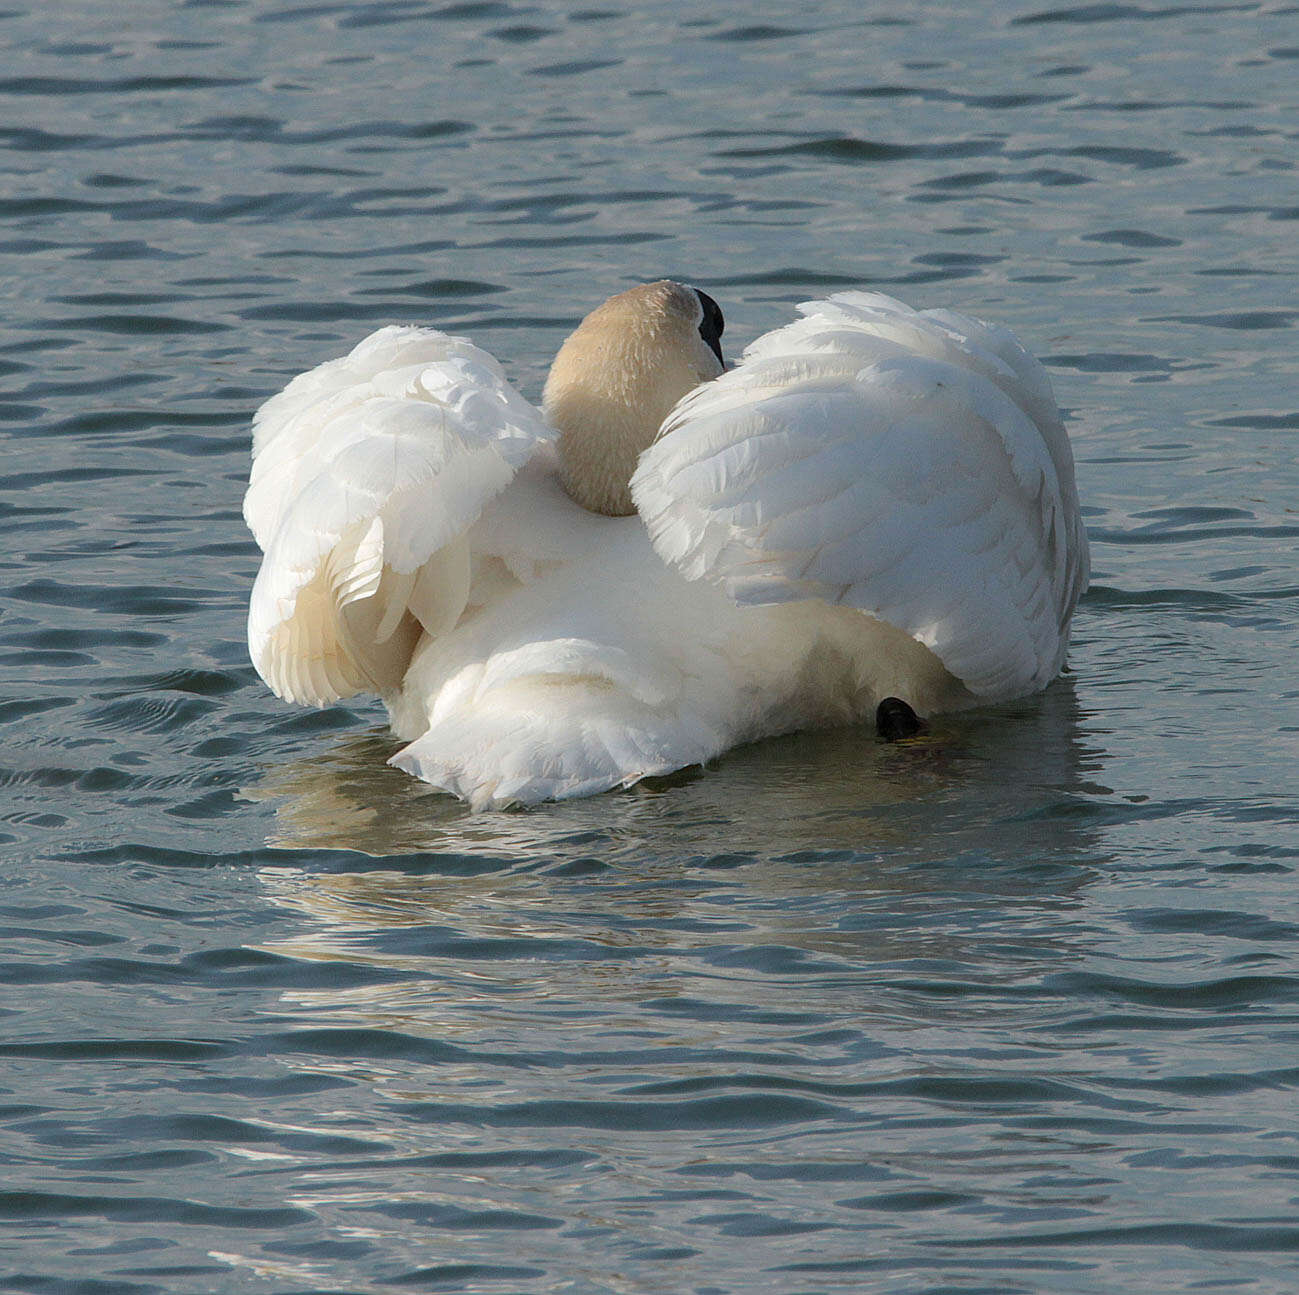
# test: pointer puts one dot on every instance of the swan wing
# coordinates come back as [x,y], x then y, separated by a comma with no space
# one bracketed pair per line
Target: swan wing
[910,464]
[367,473]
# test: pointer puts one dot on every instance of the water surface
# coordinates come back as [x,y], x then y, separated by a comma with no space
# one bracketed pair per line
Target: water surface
[1013,1009]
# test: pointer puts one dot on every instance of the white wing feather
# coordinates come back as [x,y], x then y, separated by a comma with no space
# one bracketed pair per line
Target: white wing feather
[367,472]
[910,464]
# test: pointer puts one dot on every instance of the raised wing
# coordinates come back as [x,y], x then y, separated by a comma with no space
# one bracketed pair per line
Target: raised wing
[911,464]
[367,472]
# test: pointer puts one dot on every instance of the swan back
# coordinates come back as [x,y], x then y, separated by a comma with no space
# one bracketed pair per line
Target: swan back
[615,379]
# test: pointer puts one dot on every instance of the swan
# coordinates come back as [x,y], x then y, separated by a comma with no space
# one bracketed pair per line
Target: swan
[872,516]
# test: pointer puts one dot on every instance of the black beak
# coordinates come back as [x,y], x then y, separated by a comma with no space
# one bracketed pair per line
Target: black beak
[712,325]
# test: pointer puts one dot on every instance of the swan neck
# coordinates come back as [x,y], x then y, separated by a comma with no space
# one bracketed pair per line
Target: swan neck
[613,383]
[597,456]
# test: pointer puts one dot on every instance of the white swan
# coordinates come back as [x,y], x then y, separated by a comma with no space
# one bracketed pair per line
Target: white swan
[875,503]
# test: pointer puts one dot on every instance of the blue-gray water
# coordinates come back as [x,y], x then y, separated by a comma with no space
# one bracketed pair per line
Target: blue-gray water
[1012,1010]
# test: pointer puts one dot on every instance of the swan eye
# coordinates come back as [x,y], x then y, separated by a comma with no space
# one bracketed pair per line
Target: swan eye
[712,325]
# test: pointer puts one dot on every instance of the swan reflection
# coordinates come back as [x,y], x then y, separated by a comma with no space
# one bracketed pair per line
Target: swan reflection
[829,843]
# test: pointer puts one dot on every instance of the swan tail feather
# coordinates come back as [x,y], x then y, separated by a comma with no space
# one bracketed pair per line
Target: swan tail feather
[534,737]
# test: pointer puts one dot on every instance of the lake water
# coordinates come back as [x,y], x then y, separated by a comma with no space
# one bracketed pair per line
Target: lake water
[1015,1009]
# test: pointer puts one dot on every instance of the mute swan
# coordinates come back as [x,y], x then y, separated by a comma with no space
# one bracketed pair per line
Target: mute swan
[876,503]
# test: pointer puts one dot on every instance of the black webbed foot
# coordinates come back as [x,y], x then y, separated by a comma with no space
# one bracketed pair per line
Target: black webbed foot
[895,720]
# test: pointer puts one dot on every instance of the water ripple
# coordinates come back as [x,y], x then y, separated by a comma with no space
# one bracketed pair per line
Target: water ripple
[1011,1008]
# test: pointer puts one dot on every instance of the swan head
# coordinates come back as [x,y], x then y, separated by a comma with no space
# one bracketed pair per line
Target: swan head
[617,376]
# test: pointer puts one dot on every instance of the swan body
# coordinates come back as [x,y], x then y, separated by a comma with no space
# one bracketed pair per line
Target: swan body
[875,502]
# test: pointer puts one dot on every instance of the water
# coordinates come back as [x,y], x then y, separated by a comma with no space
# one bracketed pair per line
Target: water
[1013,1010]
